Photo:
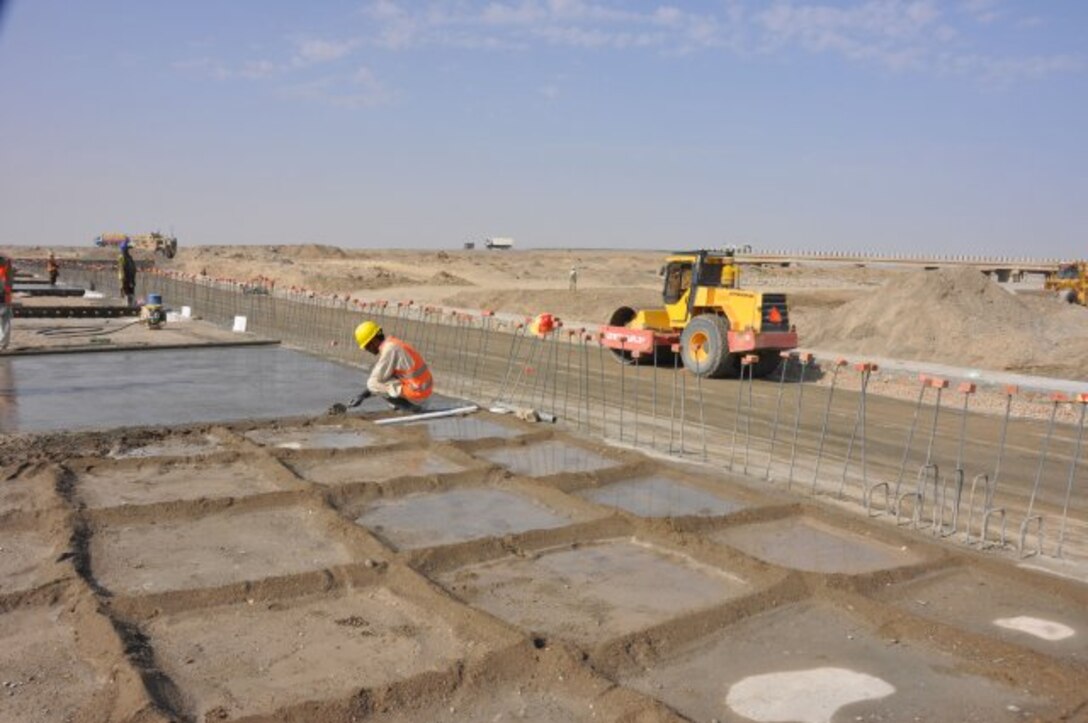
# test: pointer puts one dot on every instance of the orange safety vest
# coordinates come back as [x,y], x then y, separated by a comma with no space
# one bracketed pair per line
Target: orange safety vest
[416,381]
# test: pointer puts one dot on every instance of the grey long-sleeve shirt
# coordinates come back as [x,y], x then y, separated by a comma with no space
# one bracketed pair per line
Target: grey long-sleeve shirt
[381,379]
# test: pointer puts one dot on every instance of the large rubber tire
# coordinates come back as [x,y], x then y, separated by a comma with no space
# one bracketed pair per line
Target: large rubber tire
[622,317]
[704,348]
[767,364]
[1069,296]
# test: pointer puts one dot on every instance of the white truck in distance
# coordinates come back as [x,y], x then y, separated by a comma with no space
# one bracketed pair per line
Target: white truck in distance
[499,242]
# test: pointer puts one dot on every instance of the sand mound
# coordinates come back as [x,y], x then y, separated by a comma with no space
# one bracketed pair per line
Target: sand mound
[445,278]
[952,316]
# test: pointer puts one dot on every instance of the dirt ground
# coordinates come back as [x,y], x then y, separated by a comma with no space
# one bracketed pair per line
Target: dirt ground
[310,570]
[954,317]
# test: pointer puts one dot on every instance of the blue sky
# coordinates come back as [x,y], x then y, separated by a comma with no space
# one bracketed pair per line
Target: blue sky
[914,125]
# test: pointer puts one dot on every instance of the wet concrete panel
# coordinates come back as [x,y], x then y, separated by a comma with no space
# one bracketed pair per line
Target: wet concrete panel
[810,662]
[165,387]
[347,469]
[509,703]
[26,561]
[216,550]
[466,428]
[658,496]
[428,520]
[240,660]
[548,458]
[317,437]
[42,676]
[1009,609]
[594,592]
[106,486]
[801,543]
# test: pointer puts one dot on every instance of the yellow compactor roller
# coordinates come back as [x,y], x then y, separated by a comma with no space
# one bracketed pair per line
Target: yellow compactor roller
[707,318]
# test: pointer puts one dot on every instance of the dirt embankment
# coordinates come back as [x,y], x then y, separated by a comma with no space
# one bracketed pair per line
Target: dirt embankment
[955,317]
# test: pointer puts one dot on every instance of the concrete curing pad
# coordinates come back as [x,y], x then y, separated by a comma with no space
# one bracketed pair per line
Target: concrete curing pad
[1013,611]
[466,428]
[347,469]
[658,496]
[548,458]
[167,387]
[322,437]
[801,543]
[43,676]
[595,592]
[426,520]
[111,486]
[240,660]
[814,664]
[219,549]
[510,703]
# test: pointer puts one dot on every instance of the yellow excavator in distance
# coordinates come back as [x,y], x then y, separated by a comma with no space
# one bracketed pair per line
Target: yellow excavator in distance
[1070,281]
[707,317]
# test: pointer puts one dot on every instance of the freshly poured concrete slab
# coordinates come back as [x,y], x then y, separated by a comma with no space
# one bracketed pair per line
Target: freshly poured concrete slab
[111,486]
[657,496]
[219,549]
[804,544]
[467,428]
[594,592]
[1008,609]
[26,557]
[548,458]
[809,662]
[44,678]
[240,660]
[319,437]
[184,446]
[427,520]
[166,387]
[347,469]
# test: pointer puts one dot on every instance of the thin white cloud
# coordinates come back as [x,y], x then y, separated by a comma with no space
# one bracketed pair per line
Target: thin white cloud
[309,51]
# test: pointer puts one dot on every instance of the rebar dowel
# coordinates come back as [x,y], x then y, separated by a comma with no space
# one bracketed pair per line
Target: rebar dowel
[638,388]
[940,384]
[683,410]
[623,379]
[859,423]
[839,364]
[1082,399]
[736,418]
[805,360]
[786,358]
[672,401]
[653,401]
[1055,401]
[910,434]
[751,366]
[702,415]
[566,376]
[603,392]
[992,489]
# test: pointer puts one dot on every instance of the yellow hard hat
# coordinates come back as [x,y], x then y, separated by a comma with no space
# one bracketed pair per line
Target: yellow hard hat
[365,333]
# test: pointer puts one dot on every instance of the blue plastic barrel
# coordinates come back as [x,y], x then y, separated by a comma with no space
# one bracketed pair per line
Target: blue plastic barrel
[154,299]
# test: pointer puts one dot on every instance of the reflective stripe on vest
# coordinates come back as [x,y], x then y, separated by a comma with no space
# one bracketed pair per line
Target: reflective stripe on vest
[416,381]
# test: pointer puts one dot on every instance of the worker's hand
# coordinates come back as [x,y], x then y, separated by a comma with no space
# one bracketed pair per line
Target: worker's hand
[359,399]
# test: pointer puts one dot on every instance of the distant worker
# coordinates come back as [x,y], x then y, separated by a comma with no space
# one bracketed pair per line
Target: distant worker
[400,376]
[573,284]
[52,268]
[126,274]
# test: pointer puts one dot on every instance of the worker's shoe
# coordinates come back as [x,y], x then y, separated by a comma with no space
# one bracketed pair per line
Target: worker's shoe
[402,406]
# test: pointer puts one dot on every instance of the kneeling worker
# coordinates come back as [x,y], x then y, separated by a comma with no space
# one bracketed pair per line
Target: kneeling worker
[400,376]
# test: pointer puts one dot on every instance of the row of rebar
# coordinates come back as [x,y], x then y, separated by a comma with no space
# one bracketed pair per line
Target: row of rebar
[814,441]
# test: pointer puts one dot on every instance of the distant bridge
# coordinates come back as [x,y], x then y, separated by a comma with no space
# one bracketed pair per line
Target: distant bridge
[1003,268]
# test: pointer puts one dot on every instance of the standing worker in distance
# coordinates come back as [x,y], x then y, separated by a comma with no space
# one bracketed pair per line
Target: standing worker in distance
[126,274]
[52,268]
[573,285]
[400,376]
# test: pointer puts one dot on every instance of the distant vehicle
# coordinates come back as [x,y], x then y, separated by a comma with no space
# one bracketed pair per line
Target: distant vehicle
[499,242]
[155,242]
[1070,281]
